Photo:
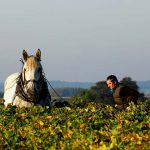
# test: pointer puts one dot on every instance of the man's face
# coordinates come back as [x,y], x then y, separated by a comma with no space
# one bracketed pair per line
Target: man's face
[111,84]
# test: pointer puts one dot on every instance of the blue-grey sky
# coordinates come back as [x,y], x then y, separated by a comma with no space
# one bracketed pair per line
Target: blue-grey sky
[80,40]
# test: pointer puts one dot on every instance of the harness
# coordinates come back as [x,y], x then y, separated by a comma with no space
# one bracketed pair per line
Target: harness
[22,83]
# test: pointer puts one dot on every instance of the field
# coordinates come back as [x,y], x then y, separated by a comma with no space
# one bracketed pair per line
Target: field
[92,126]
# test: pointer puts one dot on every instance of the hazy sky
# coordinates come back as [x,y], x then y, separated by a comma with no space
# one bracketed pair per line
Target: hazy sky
[80,40]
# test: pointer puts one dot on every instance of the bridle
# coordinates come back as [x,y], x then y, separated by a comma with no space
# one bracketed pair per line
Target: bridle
[31,80]
[22,84]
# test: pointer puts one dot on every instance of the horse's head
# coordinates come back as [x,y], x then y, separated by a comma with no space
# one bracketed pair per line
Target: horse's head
[32,73]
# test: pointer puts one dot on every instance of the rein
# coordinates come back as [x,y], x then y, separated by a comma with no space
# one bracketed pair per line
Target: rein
[53,88]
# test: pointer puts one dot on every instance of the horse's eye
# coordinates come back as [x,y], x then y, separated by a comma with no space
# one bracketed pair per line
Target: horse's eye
[24,70]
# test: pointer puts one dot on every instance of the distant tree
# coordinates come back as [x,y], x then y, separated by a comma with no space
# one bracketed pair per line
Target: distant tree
[65,92]
[86,94]
[102,93]
[1,94]
[97,93]
[129,82]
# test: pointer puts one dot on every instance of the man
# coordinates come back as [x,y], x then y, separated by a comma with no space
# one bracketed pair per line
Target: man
[122,94]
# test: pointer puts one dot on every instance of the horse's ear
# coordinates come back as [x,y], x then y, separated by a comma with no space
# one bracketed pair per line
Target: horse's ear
[38,54]
[25,55]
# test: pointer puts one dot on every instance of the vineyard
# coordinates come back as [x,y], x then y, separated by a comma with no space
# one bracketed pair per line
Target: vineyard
[93,126]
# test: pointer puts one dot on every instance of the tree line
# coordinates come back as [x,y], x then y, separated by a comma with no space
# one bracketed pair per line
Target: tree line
[97,93]
[101,93]
[65,92]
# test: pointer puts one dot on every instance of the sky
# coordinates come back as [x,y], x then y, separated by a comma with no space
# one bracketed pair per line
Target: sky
[80,40]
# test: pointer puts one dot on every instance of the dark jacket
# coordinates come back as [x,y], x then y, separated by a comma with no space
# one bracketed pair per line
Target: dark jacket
[123,95]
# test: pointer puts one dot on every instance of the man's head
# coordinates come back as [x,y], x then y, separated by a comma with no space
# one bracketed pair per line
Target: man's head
[112,82]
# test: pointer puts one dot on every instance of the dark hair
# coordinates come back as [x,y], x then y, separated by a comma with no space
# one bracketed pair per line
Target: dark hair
[113,78]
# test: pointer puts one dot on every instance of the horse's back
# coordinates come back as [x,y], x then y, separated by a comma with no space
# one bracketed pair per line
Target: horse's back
[10,88]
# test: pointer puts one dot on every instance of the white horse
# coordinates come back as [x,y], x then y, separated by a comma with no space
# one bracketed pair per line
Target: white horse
[29,87]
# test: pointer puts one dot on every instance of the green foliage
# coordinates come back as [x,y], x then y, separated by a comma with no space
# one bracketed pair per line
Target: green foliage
[94,126]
